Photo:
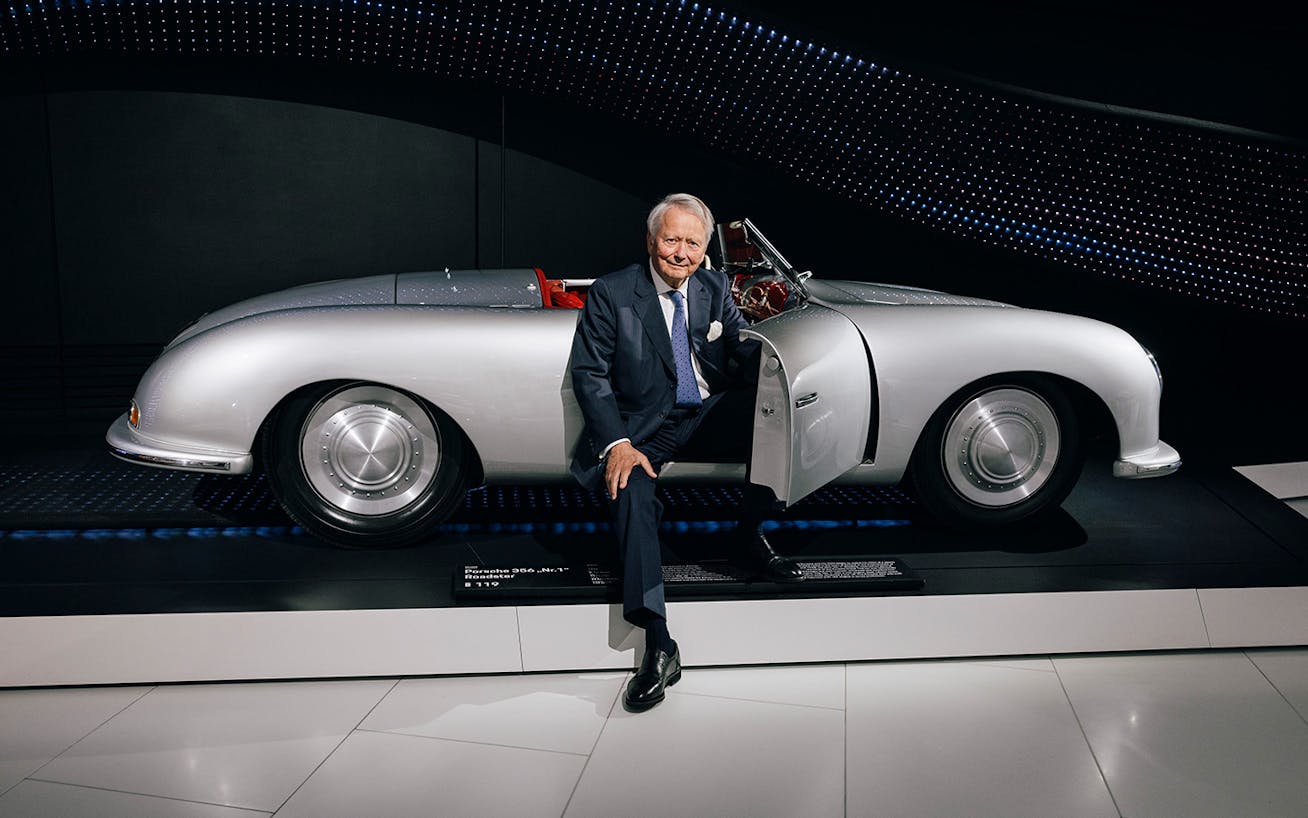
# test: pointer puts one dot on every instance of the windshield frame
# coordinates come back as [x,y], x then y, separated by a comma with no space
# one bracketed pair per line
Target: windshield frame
[772,257]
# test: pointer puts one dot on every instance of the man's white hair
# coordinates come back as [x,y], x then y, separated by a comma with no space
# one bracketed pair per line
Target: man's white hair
[684,201]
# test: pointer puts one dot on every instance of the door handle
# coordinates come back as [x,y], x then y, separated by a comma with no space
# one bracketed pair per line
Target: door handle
[806,400]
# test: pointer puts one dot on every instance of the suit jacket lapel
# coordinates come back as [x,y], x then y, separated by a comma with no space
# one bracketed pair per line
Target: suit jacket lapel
[647,306]
[699,314]
[700,309]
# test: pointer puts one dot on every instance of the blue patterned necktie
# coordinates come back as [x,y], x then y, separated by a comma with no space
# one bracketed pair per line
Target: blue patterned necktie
[687,388]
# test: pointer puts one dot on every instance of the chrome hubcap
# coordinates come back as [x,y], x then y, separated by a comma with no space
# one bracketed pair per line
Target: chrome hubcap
[369,450]
[1001,447]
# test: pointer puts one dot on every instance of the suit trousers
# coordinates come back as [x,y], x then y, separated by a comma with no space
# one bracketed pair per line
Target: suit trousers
[721,431]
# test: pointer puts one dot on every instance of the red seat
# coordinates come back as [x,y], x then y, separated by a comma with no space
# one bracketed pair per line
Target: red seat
[554,294]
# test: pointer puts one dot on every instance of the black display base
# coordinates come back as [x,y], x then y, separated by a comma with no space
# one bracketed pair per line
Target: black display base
[602,581]
[84,534]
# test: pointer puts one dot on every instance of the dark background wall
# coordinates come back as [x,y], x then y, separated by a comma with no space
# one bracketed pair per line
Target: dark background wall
[1236,64]
[134,210]
[137,193]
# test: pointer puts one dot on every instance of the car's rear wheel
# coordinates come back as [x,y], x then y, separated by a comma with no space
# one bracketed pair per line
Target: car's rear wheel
[364,465]
[998,452]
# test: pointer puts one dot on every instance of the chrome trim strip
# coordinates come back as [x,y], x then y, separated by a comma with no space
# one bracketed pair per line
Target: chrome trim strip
[1135,471]
[130,445]
[1160,461]
[171,462]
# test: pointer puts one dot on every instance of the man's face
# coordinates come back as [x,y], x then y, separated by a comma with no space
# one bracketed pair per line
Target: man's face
[677,248]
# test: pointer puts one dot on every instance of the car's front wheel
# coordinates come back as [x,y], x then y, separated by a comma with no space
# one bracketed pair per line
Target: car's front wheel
[364,465]
[997,453]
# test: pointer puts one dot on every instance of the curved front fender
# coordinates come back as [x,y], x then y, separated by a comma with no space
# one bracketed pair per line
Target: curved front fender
[923,354]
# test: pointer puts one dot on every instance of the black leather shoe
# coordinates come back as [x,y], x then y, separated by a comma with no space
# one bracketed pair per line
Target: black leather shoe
[767,563]
[659,670]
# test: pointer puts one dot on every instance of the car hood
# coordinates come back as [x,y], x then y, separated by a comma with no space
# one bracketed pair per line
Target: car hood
[859,292]
[499,288]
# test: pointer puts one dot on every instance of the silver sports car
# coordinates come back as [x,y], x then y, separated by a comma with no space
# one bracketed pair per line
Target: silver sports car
[373,403]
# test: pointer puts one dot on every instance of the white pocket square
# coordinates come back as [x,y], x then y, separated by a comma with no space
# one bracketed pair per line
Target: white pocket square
[715,330]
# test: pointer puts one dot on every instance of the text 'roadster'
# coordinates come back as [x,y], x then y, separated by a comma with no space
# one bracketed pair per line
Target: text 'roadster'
[981,405]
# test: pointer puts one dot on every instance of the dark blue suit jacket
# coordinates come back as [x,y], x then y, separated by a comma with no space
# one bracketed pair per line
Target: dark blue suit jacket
[622,367]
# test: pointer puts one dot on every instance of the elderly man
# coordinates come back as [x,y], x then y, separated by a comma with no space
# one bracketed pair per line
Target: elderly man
[661,374]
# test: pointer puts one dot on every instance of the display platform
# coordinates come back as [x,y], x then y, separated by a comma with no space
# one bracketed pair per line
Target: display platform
[117,573]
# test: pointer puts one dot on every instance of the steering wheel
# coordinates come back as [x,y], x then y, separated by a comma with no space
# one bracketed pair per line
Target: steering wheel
[764,299]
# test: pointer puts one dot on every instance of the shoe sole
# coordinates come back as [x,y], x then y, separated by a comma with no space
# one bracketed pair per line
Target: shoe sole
[642,707]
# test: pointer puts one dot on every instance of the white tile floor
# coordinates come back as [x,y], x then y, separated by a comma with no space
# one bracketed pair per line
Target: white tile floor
[1220,733]
[1202,733]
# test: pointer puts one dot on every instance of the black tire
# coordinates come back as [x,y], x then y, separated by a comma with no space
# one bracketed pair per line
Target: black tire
[998,452]
[361,465]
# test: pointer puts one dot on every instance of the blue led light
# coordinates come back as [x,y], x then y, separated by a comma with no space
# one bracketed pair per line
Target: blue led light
[1198,212]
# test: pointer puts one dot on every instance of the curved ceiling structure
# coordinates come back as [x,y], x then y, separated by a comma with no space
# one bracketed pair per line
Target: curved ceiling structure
[1210,213]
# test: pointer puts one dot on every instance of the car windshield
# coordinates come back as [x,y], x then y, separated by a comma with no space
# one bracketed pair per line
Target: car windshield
[762,281]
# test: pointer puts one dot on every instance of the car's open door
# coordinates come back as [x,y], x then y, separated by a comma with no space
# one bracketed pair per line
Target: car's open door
[814,400]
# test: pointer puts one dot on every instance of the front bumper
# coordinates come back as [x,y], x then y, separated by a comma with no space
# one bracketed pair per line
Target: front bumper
[127,444]
[1157,462]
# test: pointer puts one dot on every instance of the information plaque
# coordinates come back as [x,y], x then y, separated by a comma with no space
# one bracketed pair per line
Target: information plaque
[487,582]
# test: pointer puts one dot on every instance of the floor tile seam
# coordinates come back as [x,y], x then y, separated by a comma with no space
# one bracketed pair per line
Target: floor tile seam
[517,624]
[1302,716]
[332,752]
[1086,738]
[997,665]
[147,691]
[607,718]
[939,661]
[376,732]
[1203,619]
[254,810]
[844,679]
[755,701]
[394,684]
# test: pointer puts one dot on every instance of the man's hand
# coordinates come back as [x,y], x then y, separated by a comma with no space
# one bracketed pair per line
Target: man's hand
[623,457]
